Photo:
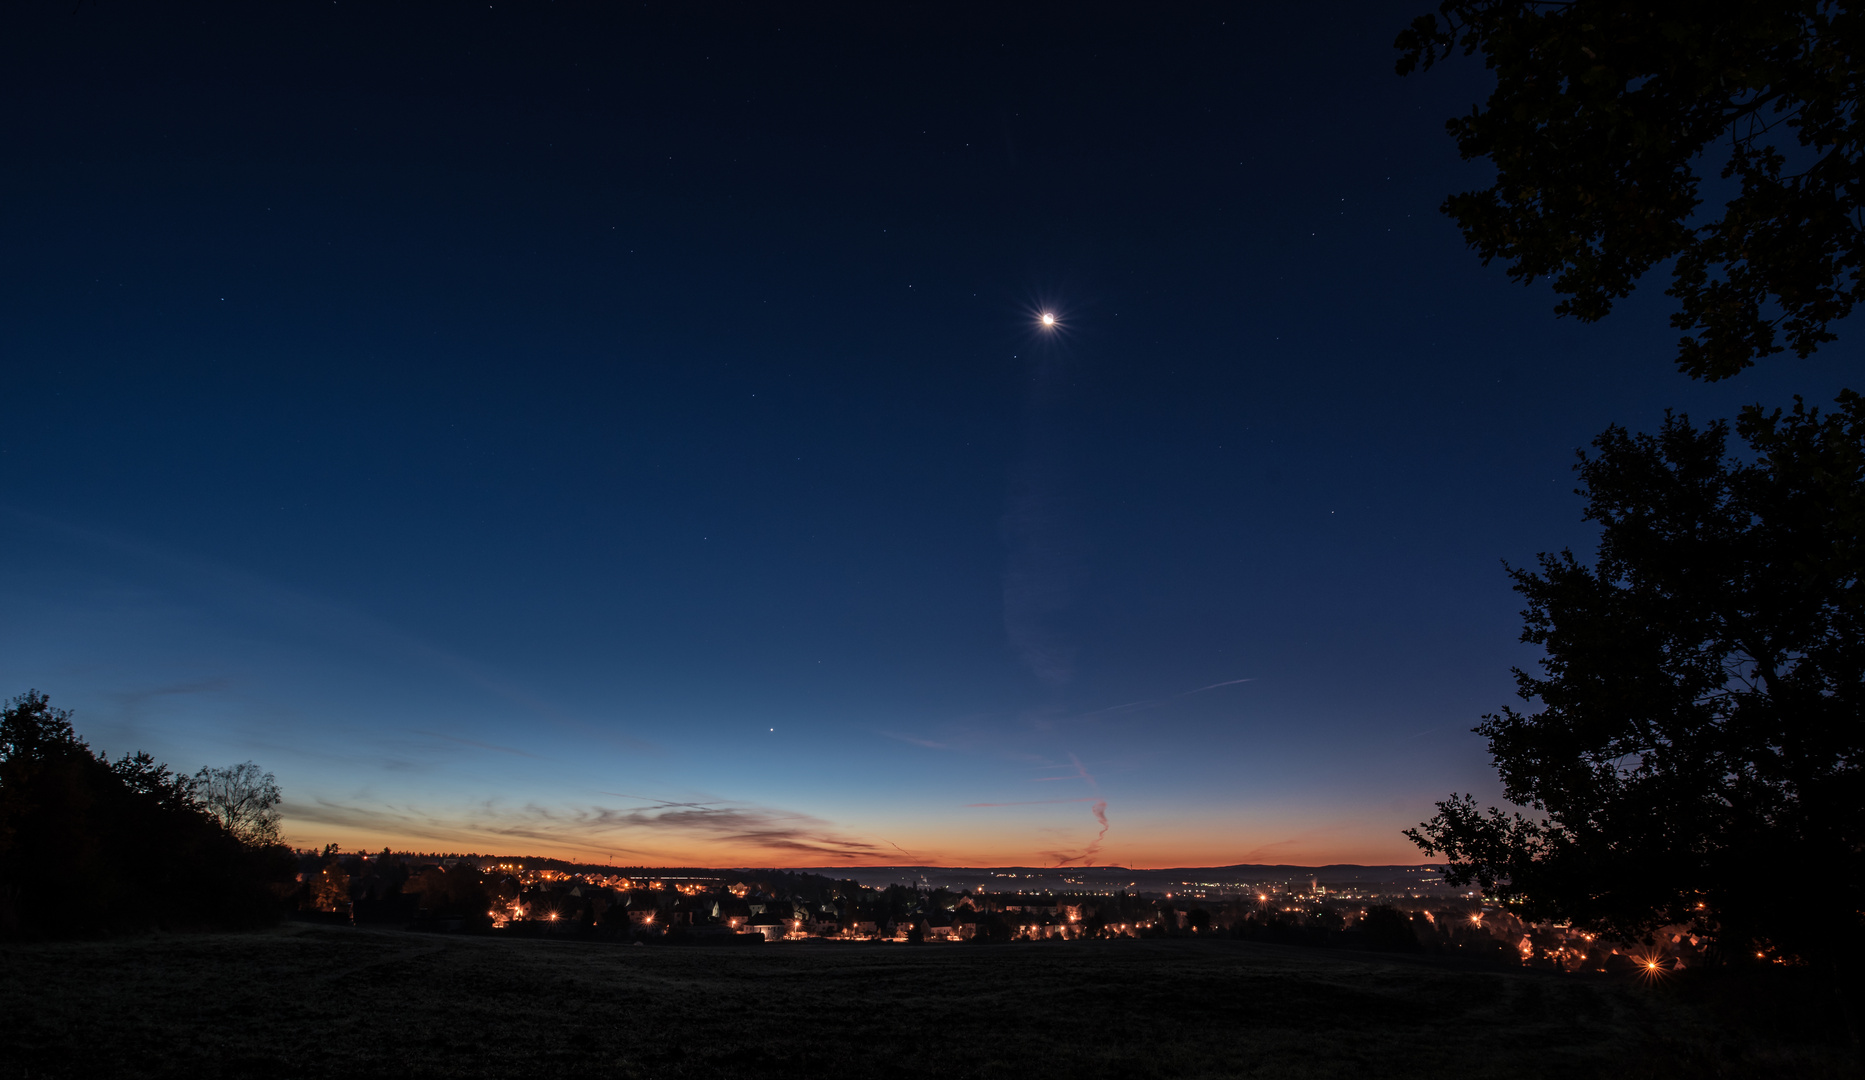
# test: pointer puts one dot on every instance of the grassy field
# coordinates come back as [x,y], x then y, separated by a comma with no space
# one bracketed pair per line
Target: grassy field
[307,1001]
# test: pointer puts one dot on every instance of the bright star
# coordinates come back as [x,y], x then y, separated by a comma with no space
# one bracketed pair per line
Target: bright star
[1049,318]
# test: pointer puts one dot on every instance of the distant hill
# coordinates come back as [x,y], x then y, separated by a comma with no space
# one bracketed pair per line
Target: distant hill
[1423,880]
[1242,877]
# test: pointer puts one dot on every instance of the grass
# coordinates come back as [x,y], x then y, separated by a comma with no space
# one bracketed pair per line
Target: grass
[313,1001]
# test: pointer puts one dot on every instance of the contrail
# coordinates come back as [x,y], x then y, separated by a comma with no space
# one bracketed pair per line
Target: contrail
[1215,685]
[1099,809]
[1150,702]
[1081,773]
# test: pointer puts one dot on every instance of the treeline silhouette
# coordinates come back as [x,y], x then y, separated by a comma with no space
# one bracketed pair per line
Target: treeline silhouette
[91,846]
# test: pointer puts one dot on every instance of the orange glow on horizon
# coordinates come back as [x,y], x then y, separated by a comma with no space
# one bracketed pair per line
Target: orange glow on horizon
[976,842]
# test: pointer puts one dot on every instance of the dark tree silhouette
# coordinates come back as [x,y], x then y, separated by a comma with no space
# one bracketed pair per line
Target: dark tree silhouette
[330,888]
[1387,928]
[243,799]
[1699,741]
[90,846]
[1603,113]
[471,895]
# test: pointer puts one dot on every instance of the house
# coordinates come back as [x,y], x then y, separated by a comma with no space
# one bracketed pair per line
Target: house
[772,927]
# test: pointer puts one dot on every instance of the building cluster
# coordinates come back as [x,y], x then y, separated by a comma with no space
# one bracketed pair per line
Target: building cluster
[543,897]
[547,898]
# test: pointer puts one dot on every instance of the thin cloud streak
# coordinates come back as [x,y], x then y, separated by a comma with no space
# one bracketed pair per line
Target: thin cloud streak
[307,611]
[1081,773]
[1151,702]
[603,828]
[476,742]
[1040,547]
[1260,853]
[917,741]
[1086,858]
[132,701]
[133,698]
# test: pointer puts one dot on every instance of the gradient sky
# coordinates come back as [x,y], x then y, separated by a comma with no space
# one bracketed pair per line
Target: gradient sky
[549,428]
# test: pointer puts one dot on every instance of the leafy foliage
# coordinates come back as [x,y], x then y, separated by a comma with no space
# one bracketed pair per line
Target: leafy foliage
[1387,928]
[1603,113]
[460,893]
[330,889]
[89,845]
[1701,733]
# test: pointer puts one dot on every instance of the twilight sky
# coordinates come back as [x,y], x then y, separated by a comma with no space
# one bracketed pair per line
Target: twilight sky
[549,428]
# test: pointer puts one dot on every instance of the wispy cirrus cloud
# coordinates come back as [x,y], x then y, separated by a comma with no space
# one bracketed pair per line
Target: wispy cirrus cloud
[477,743]
[985,734]
[662,829]
[133,701]
[1278,849]
[133,698]
[1080,772]
[917,741]
[275,606]
[1041,550]
[1148,703]
[1087,855]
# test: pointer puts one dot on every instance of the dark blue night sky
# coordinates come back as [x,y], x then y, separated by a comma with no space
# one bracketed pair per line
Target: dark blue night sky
[553,428]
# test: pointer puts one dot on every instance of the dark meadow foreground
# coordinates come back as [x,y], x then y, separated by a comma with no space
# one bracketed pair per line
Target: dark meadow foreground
[318,1001]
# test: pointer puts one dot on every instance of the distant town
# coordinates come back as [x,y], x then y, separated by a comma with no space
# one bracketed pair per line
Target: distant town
[1381,908]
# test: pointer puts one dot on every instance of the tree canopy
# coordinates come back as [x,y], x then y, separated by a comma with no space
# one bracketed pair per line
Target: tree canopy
[243,799]
[89,845]
[1604,115]
[1700,738]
